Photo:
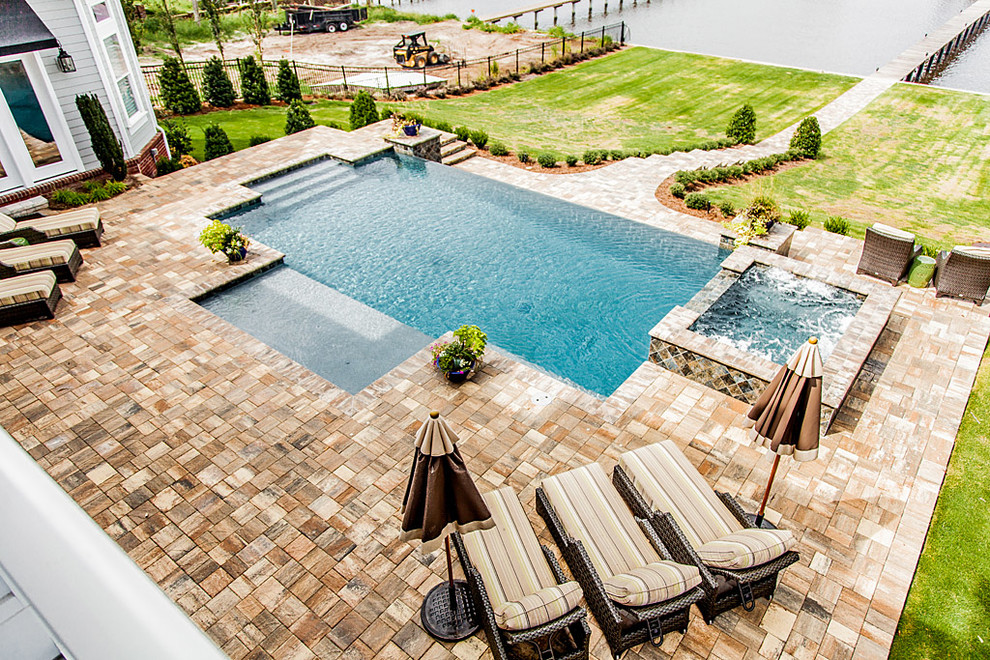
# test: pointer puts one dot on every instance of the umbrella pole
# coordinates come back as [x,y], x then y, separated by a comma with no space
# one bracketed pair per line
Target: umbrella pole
[766,493]
[450,576]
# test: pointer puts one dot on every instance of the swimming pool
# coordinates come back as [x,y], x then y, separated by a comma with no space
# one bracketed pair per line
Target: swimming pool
[569,289]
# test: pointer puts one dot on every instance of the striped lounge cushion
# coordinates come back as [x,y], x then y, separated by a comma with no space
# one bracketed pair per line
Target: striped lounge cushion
[39,255]
[892,232]
[653,583]
[7,223]
[746,548]
[518,581]
[69,222]
[25,288]
[591,511]
[670,484]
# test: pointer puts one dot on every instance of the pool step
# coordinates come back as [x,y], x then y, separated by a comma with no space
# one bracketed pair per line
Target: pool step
[310,184]
[455,152]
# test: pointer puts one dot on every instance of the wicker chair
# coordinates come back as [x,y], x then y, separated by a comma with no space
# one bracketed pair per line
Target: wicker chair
[963,273]
[82,226]
[28,298]
[623,625]
[713,519]
[523,578]
[60,257]
[887,253]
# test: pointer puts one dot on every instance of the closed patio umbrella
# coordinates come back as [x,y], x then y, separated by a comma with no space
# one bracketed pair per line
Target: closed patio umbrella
[441,498]
[787,415]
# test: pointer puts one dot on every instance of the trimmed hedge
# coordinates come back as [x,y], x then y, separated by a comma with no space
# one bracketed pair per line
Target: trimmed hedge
[498,149]
[363,110]
[177,92]
[287,83]
[742,125]
[217,88]
[698,201]
[807,139]
[297,118]
[217,142]
[254,87]
[547,160]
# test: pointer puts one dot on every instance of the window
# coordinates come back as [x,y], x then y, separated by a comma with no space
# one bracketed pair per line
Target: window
[120,71]
[100,12]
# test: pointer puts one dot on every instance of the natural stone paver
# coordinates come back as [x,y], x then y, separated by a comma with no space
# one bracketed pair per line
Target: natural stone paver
[265,501]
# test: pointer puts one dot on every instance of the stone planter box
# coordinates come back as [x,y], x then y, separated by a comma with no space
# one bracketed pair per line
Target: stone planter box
[777,240]
[426,145]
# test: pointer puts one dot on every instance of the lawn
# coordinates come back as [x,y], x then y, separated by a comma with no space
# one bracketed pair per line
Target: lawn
[917,157]
[638,99]
[241,125]
[948,608]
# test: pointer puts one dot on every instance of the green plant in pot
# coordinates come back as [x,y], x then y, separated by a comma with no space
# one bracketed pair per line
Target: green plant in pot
[221,237]
[458,358]
[756,220]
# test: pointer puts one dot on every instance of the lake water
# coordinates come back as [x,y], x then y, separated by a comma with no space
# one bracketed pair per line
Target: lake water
[842,36]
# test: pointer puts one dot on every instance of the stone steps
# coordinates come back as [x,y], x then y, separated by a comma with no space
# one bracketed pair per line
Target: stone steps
[459,154]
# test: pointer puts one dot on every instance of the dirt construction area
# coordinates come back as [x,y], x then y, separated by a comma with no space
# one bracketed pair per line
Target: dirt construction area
[367,45]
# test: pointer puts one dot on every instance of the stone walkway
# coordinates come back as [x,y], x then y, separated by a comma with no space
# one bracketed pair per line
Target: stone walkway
[264,500]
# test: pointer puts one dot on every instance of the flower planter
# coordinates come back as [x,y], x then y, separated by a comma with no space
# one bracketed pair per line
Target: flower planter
[236,256]
[411,131]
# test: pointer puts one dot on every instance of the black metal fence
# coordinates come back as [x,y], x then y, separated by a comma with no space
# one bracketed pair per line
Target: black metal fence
[328,79]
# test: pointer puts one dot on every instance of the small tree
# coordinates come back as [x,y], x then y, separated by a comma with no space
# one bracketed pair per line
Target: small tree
[212,10]
[106,146]
[217,142]
[807,139]
[287,83]
[742,126]
[363,110]
[258,23]
[254,87]
[177,91]
[169,24]
[297,118]
[177,134]
[217,88]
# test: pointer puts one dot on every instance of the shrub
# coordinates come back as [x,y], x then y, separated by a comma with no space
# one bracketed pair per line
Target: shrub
[591,157]
[177,136]
[571,160]
[463,133]
[217,88]
[616,154]
[678,190]
[837,225]
[742,126]
[522,156]
[363,110]
[498,149]
[764,209]
[67,197]
[255,140]
[254,87]
[106,146]
[686,178]
[800,218]
[297,118]
[727,209]
[807,139]
[287,83]
[479,138]
[546,160]
[165,166]
[441,126]
[698,201]
[177,91]
[217,142]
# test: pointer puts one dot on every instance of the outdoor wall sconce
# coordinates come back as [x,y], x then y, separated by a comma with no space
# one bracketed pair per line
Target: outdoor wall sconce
[64,61]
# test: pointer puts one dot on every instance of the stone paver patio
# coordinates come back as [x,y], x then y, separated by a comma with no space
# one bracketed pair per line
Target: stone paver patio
[265,501]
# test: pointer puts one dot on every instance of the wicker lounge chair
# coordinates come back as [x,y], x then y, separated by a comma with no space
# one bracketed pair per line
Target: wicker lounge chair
[61,257]
[887,253]
[82,226]
[713,533]
[632,586]
[963,273]
[518,586]
[28,298]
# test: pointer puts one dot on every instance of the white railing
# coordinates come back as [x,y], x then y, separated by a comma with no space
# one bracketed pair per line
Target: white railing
[95,600]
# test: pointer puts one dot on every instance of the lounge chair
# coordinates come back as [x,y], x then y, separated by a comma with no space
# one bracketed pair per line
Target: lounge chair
[713,533]
[519,588]
[82,226]
[887,253]
[28,298]
[963,273]
[61,257]
[632,586]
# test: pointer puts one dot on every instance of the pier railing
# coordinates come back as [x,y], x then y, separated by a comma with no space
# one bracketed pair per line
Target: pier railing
[326,79]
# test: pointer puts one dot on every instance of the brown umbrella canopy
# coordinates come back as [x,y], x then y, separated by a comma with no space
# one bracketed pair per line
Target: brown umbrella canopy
[441,496]
[788,412]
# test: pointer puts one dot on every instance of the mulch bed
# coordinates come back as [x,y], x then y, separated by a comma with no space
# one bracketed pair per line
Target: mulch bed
[533,166]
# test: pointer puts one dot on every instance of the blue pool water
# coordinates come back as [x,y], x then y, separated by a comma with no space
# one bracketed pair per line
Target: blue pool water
[771,312]
[572,290]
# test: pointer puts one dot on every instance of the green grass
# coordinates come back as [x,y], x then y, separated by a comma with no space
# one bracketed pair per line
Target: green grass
[638,99]
[948,607]
[915,158]
[389,15]
[241,125]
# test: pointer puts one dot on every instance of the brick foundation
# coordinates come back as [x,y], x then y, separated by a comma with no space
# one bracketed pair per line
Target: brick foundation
[143,163]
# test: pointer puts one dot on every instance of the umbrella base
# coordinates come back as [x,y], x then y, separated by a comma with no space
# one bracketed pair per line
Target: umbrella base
[764,524]
[442,621]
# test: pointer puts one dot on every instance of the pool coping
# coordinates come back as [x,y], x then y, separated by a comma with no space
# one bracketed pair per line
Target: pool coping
[744,375]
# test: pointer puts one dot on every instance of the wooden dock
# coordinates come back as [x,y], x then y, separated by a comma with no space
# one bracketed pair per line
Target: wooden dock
[926,56]
[535,10]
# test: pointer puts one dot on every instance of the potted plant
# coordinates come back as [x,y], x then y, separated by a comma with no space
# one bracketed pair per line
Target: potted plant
[221,237]
[459,358]
[400,125]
